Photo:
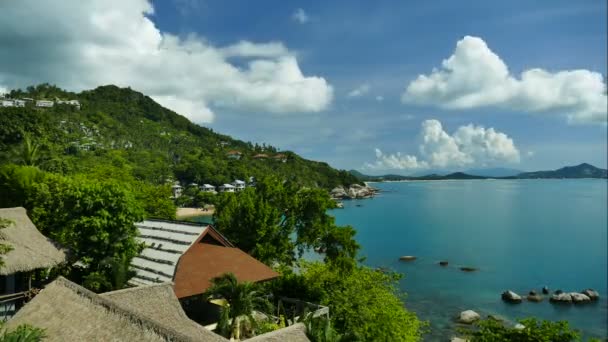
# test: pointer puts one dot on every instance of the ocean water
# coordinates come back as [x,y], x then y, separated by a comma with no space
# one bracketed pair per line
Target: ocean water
[521,234]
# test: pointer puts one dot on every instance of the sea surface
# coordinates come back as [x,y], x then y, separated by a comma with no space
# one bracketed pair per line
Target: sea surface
[520,234]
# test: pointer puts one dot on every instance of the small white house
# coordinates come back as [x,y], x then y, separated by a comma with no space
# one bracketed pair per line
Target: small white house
[74,103]
[239,185]
[177,190]
[44,103]
[7,103]
[19,103]
[207,188]
[227,188]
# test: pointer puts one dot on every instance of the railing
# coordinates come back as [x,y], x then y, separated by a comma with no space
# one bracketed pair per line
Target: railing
[10,303]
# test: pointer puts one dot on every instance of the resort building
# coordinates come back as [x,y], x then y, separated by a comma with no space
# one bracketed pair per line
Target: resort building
[207,188]
[239,185]
[176,189]
[30,251]
[280,158]
[234,154]
[7,103]
[44,103]
[74,103]
[227,188]
[68,312]
[260,156]
[190,255]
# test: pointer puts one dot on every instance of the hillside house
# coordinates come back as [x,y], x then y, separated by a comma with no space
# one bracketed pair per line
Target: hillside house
[207,188]
[234,155]
[280,158]
[260,156]
[176,189]
[227,188]
[19,103]
[7,103]
[239,185]
[74,103]
[44,103]
[190,255]
[30,251]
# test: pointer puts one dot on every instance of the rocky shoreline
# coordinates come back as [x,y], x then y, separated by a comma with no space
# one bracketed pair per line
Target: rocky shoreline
[355,191]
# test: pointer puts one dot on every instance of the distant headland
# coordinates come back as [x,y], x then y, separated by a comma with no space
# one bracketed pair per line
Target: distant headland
[583,170]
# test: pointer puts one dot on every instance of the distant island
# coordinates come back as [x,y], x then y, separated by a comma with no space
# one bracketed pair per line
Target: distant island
[583,170]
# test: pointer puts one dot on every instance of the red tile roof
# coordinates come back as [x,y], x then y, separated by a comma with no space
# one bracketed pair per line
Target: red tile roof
[209,258]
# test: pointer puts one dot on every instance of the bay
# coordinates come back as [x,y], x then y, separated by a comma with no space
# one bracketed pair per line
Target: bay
[520,234]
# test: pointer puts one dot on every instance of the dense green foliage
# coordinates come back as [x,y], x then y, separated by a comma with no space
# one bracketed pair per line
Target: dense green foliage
[365,304]
[277,220]
[23,333]
[132,136]
[93,219]
[242,298]
[533,331]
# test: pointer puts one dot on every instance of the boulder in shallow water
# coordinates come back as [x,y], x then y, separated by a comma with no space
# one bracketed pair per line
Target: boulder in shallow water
[561,298]
[558,292]
[468,317]
[579,297]
[511,297]
[591,293]
[468,269]
[458,339]
[545,290]
[407,258]
[534,297]
[443,263]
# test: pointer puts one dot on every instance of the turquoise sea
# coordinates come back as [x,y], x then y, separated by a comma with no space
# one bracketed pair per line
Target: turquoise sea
[521,234]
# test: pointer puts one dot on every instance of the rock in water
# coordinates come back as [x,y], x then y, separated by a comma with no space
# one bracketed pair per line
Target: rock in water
[468,269]
[534,297]
[443,263]
[579,297]
[511,297]
[561,298]
[458,339]
[558,292]
[545,290]
[407,258]
[592,294]
[468,317]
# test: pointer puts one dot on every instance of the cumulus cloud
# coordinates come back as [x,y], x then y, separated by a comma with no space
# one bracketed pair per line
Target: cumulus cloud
[300,16]
[468,145]
[360,90]
[379,98]
[83,44]
[474,76]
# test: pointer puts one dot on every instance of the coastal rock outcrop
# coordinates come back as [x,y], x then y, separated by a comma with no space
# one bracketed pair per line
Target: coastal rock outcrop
[534,297]
[591,293]
[579,297]
[443,263]
[355,191]
[468,269]
[545,290]
[511,297]
[561,297]
[468,317]
[407,258]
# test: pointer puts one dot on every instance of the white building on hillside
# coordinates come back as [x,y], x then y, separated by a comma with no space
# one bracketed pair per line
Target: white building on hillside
[7,103]
[227,188]
[177,190]
[44,103]
[207,188]
[239,185]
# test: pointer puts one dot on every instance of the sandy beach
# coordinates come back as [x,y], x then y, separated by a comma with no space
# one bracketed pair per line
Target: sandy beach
[190,212]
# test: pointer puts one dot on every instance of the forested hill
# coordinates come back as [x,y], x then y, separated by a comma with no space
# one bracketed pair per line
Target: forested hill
[121,132]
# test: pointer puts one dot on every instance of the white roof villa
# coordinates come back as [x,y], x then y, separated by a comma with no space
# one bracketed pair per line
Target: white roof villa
[227,188]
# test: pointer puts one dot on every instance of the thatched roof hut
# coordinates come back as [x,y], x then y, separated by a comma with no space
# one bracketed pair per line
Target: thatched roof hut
[30,249]
[158,303]
[293,333]
[69,312]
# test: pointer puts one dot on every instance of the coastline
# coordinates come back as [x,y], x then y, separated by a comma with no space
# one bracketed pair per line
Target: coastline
[182,213]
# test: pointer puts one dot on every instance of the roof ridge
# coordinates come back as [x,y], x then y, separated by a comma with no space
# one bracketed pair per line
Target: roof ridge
[137,288]
[188,223]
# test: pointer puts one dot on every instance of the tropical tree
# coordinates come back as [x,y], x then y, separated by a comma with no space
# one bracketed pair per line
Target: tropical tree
[533,331]
[28,153]
[242,298]
[23,333]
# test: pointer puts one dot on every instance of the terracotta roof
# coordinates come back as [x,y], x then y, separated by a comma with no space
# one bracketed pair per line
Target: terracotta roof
[205,260]
[234,152]
[261,155]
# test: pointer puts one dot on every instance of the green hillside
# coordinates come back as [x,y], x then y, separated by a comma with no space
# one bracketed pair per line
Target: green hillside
[119,132]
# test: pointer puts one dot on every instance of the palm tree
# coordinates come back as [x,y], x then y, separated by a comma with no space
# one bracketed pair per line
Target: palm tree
[241,297]
[28,152]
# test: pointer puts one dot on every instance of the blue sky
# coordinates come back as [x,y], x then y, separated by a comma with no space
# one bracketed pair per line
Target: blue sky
[477,111]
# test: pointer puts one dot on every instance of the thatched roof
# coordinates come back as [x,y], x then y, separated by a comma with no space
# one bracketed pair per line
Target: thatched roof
[69,312]
[158,303]
[293,333]
[30,249]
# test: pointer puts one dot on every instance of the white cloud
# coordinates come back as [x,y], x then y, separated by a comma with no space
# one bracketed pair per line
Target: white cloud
[300,16]
[468,145]
[83,44]
[379,98]
[474,76]
[360,90]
